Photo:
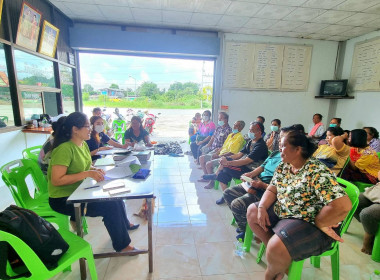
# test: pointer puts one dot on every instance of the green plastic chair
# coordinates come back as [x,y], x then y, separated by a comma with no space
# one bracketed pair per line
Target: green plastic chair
[119,127]
[295,269]
[216,183]
[79,248]
[32,153]
[375,256]
[14,175]
[4,118]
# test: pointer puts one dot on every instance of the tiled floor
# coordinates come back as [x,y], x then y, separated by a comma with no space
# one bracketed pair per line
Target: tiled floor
[193,238]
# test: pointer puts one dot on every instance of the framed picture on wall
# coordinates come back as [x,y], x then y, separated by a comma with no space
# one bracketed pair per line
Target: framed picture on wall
[1,8]
[28,27]
[49,39]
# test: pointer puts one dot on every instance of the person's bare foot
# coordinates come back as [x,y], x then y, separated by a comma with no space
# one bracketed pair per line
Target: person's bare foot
[209,185]
[367,243]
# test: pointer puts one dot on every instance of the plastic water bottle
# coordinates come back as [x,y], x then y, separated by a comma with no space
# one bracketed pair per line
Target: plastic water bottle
[239,248]
[375,275]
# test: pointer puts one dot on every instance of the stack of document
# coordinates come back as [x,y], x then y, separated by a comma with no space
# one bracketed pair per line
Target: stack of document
[123,168]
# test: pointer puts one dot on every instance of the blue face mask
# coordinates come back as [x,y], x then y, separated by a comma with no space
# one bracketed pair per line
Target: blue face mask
[333,125]
[251,135]
[235,131]
[220,123]
[274,128]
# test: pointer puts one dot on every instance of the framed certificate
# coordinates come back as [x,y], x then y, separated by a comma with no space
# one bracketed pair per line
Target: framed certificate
[49,39]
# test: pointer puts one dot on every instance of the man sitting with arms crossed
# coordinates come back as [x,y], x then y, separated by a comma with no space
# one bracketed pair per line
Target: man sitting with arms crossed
[239,197]
[251,156]
[233,144]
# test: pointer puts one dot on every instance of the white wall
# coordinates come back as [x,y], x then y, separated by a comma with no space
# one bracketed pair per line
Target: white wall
[13,143]
[289,107]
[363,110]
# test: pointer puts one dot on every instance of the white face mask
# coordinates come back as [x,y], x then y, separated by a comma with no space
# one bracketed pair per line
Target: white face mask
[99,128]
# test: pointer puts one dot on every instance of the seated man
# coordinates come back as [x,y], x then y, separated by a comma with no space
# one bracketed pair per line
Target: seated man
[251,156]
[233,144]
[239,197]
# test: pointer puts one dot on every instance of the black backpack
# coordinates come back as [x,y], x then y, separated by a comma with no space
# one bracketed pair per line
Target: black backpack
[36,232]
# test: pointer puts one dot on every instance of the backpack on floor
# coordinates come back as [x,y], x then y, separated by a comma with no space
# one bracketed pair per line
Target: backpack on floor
[36,232]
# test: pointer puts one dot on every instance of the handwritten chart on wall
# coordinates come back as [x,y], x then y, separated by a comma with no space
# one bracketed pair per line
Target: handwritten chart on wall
[266,66]
[365,71]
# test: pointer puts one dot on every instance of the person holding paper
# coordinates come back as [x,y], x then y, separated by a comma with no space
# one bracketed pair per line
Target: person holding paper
[99,138]
[136,133]
[70,164]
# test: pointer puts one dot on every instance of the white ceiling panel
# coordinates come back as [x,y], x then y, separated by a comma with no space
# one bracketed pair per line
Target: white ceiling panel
[338,38]
[212,6]
[275,33]
[149,4]
[317,36]
[358,19]
[260,23]
[254,1]
[374,23]
[295,3]
[332,16]
[293,34]
[85,10]
[310,27]
[373,10]
[244,8]
[63,8]
[110,3]
[116,13]
[304,14]
[286,25]
[205,19]
[335,29]
[322,4]
[356,5]
[179,5]
[232,21]
[274,12]
[79,1]
[176,17]
[252,31]
[147,15]
[357,31]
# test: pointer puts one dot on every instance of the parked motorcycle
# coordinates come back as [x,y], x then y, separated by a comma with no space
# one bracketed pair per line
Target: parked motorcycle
[149,121]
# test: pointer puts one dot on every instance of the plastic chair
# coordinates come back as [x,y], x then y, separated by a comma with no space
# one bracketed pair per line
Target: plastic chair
[216,183]
[119,127]
[14,175]
[32,153]
[344,166]
[295,269]
[4,118]
[79,248]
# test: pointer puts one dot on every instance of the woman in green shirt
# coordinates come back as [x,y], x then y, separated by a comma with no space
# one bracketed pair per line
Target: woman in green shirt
[70,164]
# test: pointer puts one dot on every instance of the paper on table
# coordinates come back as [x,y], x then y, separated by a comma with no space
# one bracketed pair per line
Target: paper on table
[127,161]
[119,172]
[113,151]
[104,161]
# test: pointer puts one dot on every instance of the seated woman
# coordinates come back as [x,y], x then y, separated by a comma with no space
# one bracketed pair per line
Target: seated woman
[364,162]
[136,133]
[335,122]
[45,153]
[204,134]
[368,213]
[335,153]
[99,138]
[297,215]
[273,138]
[373,138]
[70,164]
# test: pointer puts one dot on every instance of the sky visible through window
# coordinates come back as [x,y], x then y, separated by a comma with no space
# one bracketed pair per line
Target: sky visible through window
[102,70]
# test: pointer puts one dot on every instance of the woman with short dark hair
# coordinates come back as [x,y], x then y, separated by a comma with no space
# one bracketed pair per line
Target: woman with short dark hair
[297,214]
[364,162]
[373,138]
[136,133]
[272,139]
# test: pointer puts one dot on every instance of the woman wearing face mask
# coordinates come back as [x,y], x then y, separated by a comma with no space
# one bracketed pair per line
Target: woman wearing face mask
[99,138]
[204,134]
[273,138]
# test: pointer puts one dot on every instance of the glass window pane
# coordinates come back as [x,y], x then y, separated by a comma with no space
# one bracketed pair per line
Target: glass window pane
[67,86]
[32,102]
[33,70]
[6,110]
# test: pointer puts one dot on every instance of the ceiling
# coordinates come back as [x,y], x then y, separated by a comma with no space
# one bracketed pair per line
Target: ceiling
[336,20]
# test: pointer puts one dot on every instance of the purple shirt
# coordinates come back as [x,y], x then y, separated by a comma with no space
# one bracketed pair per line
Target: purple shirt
[206,130]
[375,144]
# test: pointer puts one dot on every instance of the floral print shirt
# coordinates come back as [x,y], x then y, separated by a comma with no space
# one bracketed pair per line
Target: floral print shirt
[302,195]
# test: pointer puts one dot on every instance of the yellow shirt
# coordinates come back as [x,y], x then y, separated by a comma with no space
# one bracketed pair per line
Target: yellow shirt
[233,144]
[368,162]
[334,159]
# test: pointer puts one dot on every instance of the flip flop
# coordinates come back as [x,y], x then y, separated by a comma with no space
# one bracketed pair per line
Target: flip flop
[203,180]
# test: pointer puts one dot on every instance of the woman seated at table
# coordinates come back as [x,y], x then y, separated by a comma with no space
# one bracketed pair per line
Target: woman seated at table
[298,213]
[136,133]
[368,213]
[364,162]
[99,138]
[70,164]
[335,153]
